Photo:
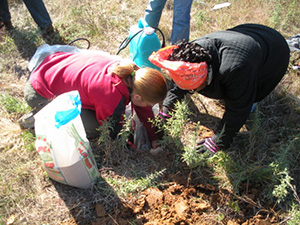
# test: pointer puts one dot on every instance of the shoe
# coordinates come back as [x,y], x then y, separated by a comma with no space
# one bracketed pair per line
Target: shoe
[27,121]
[51,36]
[7,24]
[47,31]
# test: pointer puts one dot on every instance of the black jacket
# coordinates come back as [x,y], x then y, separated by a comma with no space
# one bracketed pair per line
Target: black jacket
[248,61]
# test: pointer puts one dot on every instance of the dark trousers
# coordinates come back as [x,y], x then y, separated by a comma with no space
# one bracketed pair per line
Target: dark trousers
[37,102]
[36,8]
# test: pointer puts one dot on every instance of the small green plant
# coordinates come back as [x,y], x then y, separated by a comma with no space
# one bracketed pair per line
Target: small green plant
[255,130]
[294,214]
[194,155]
[12,105]
[125,132]
[29,140]
[105,129]
[281,190]
[173,126]
[234,206]
[220,217]
[109,129]
[283,166]
[124,186]
[191,154]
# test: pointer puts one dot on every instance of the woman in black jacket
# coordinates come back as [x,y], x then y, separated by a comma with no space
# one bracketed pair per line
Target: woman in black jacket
[244,64]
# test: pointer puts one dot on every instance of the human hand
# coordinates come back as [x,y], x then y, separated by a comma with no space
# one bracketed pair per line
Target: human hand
[162,118]
[154,144]
[209,144]
[156,151]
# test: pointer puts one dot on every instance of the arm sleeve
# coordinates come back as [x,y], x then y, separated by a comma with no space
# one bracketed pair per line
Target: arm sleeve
[240,91]
[144,114]
[174,94]
[115,116]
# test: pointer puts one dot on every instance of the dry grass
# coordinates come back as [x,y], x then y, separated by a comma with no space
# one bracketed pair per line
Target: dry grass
[28,196]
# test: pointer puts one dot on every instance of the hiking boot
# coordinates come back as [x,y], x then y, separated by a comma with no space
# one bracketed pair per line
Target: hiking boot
[27,121]
[7,24]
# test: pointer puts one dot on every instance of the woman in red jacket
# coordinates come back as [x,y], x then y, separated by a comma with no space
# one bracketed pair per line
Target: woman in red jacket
[106,84]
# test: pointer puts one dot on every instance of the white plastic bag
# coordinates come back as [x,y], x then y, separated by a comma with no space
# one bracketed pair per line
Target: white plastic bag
[45,50]
[140,137]
[62,144]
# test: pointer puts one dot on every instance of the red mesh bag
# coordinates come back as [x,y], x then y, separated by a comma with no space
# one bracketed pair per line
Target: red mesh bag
[186,75]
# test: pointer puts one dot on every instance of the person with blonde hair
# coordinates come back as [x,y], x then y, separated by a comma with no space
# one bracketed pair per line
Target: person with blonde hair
[106,84]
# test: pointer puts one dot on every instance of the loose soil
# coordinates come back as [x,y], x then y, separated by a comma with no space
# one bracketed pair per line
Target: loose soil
[185,200]
[178,204]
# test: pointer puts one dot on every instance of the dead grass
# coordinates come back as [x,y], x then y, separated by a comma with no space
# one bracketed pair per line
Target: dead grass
[28,196]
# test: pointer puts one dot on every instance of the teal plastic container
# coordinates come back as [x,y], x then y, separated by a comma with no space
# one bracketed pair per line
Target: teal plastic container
[143,44]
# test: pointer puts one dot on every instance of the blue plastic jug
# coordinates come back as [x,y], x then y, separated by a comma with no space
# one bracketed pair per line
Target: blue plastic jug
[143,44]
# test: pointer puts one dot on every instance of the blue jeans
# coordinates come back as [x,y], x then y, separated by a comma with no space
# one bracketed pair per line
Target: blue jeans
[181,17]
[36,8]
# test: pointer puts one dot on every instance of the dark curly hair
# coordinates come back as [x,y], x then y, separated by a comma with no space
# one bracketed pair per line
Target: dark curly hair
[190,52]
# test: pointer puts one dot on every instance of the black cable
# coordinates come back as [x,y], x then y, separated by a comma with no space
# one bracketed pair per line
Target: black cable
[127,40]
[79,39]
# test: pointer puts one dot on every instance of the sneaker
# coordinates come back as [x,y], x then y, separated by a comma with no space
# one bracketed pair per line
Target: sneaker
[27,121]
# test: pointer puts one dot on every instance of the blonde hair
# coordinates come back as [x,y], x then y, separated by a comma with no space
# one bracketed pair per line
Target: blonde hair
[149,83]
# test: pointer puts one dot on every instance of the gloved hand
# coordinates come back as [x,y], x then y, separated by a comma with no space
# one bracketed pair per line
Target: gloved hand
[164,113]
[209,144]
[163,116]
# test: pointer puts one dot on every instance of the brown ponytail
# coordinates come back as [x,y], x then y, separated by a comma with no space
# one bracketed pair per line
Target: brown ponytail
[125,68]
[149,83]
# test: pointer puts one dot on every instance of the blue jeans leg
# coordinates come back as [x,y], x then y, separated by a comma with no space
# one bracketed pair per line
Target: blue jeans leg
[38,12]
[181,20]
[4,11]
[253,107]
[153,12]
